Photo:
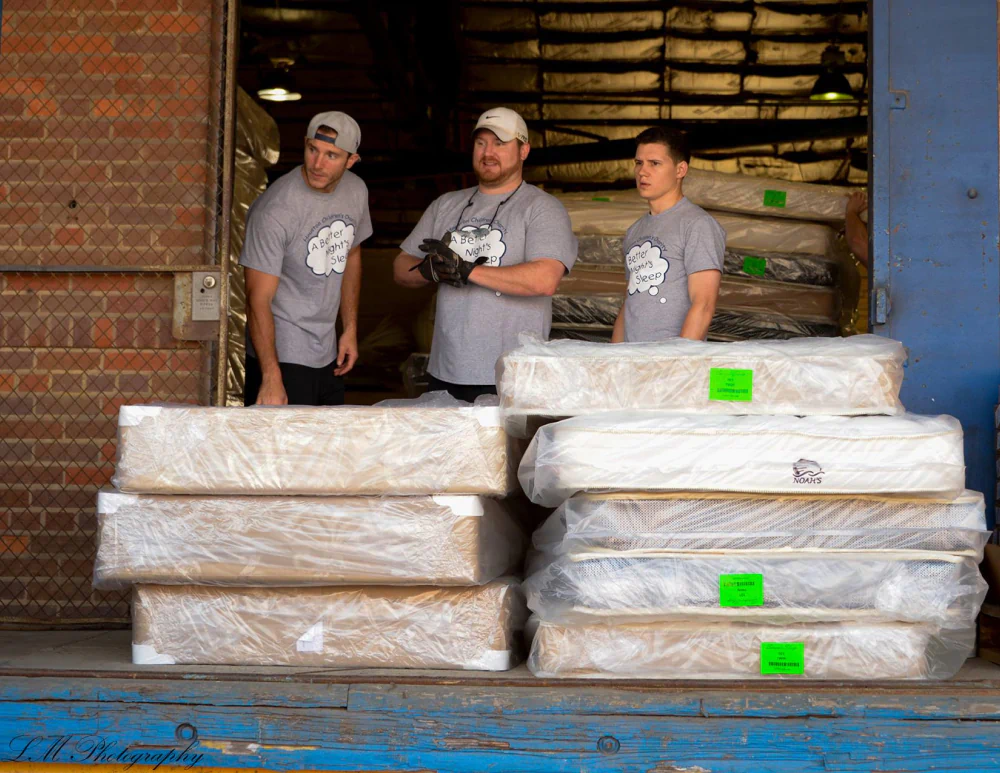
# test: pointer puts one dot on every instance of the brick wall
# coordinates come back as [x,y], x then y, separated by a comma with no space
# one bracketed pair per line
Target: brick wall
[106,161]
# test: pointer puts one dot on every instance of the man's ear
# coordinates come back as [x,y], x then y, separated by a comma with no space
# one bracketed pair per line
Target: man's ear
[682,170]
[352,160]
[524,150]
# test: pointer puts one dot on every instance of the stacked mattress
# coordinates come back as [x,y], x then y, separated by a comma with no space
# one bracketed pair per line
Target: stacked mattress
[340,537]
[840,376]
[804,529]
[782,264]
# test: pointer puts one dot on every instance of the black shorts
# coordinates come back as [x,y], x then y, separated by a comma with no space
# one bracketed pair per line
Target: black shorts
[303,385]
[467,392]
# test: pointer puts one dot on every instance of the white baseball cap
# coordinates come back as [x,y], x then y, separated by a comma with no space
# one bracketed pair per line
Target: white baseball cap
[504,123]
[348,132]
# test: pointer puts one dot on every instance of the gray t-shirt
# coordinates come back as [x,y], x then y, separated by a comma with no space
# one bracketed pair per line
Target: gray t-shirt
[660,252]
[303,236]
[473,325]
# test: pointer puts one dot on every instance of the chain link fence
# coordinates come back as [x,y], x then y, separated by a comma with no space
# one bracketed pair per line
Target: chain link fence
[114,178]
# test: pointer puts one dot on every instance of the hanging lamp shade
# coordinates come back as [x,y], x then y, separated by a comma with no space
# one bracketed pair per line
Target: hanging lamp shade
[831,85]
[278,85]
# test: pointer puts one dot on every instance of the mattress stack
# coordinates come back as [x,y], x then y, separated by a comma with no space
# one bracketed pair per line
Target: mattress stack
[334,537]
[742,510]
[782,261]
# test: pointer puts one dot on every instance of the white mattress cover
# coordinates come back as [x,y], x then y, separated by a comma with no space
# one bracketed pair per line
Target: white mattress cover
[658,451]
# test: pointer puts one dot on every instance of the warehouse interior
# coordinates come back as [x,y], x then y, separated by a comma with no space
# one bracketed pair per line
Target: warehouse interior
[745,78]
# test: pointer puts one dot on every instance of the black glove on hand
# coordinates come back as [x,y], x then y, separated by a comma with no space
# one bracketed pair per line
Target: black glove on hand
[443,264]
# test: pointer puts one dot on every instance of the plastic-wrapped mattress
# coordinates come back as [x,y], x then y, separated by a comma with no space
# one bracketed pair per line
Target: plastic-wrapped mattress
[294,450]
[659,451]
[835,376]
[725,327]
[743,232]
[696,650]
[603,288]
[602,249]
[776,586]
[251,541]
[640,523]
[354,627]
[748,194]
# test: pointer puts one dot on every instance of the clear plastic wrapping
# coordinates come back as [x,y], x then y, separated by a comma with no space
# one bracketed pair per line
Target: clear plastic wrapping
[659,451]
[683,521]
[849,650]
[606,250]
[785,587]
[743,232]
[296,541]
[294,450]
[725,327]
[354,627]
[837,376]
[736,294]
[750,195]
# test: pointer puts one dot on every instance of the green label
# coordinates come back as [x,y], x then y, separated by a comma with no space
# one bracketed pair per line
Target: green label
[754,266]
[600,198]
[775,198]
[741,590]
[782,657]
[732,385]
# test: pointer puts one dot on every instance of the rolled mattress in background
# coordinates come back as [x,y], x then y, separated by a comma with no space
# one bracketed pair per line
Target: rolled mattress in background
[696,650]
[835,376]
[659,451]
[294,450]
[295,541]
[356,627]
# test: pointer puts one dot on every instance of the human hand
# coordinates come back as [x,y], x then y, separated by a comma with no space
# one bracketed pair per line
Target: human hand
[347,353]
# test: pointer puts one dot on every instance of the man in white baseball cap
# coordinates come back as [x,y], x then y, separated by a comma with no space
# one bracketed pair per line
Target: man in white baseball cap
[302,260]
[497,251]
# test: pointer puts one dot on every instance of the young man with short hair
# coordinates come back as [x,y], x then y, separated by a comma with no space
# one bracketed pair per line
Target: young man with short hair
[302,260]
[497,252]
[673,255]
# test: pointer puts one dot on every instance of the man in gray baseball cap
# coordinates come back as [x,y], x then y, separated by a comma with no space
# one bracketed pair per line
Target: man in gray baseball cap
[302,260]
[497,252]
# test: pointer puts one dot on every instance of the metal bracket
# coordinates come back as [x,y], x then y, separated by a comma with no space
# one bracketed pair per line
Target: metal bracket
[899,100]
[880,306]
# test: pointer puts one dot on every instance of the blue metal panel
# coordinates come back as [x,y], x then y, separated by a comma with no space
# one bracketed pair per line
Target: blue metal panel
[934,209]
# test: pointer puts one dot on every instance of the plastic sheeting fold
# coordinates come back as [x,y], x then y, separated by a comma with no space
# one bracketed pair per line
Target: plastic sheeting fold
[355,627]
[297,541]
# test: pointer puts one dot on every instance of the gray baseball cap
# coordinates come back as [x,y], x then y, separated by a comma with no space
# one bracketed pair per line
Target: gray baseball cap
[348,132]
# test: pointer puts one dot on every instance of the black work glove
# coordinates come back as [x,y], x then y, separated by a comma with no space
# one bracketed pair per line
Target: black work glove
[443,264]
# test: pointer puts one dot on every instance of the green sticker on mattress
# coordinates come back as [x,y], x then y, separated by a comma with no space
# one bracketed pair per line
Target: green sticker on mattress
[781,657]
[741,590]
[754,266]
[601,198]
[775,199]
[729,384]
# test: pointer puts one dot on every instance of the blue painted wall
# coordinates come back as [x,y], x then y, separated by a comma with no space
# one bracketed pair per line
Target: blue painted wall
[934,209]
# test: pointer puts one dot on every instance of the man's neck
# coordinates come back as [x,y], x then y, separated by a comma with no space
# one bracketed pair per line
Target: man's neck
[666,201]
[504,187]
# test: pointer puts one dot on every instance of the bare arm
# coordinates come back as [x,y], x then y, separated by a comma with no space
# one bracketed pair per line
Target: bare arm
[350,294]
[536,277]
[618,331]
[401,271]
[855,229]
[703,290]
[261,288]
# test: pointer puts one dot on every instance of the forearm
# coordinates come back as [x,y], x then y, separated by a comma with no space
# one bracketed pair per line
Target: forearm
[857,236]
[537,277]
[618,331]
[697,321]
[350,292]
[260,322]
[402,273]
